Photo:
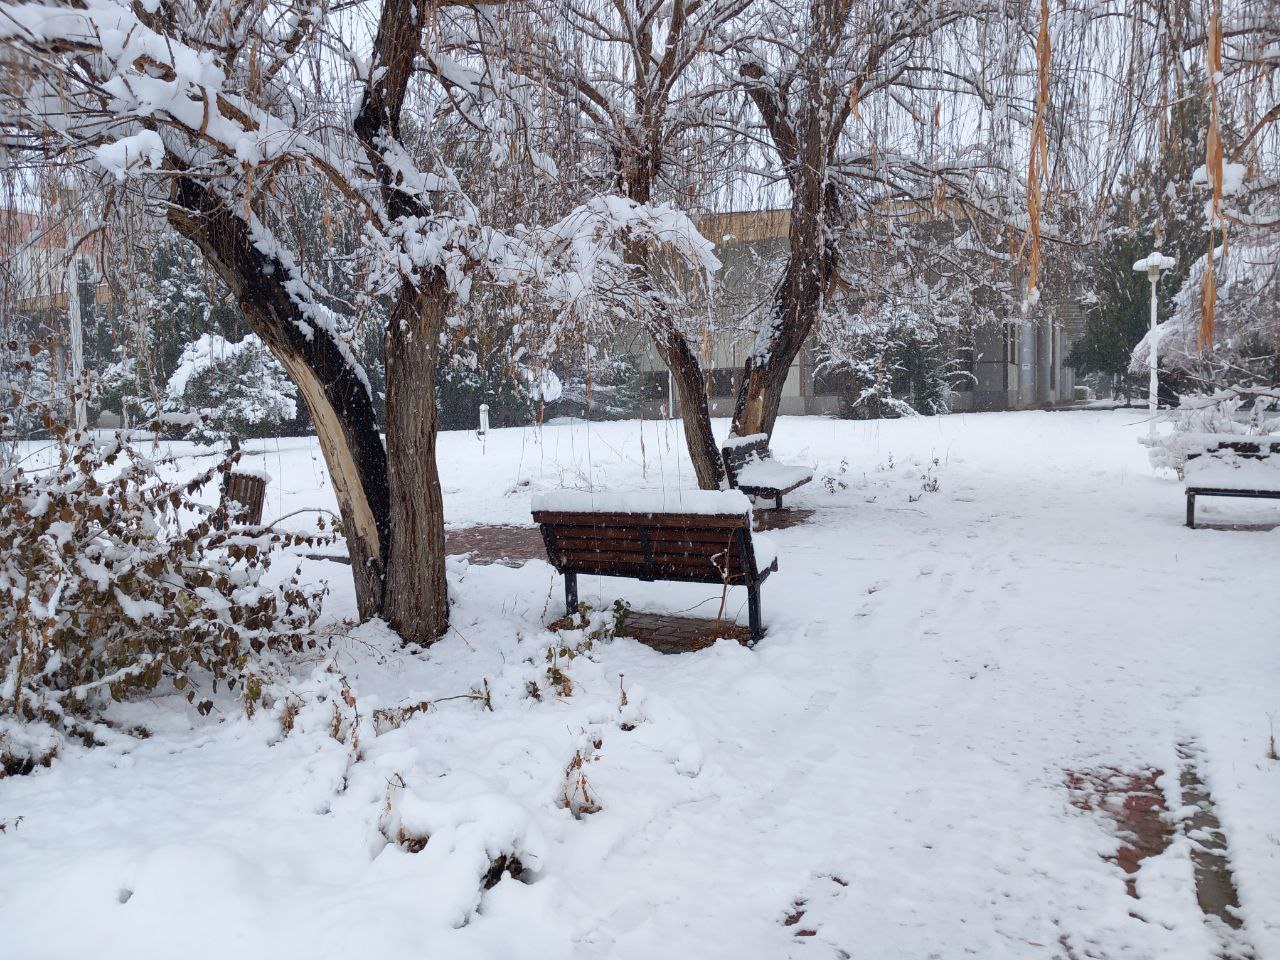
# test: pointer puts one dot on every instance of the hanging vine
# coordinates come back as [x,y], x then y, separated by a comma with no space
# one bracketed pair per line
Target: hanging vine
[1038,164]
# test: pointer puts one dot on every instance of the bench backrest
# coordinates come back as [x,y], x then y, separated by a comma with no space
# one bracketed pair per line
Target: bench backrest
[249,490]
[693,547]
[740,451]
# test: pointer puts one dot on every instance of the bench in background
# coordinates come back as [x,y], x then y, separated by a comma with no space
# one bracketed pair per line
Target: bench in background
[1230,465]
[751,468]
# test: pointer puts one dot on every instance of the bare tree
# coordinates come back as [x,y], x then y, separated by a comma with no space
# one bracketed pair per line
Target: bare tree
[875,113]
[205,114]
[635,77]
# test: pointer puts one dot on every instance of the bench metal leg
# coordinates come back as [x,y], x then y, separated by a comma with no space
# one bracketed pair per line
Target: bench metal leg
[1191,510]
[777,502]
[753,613]
[570,594]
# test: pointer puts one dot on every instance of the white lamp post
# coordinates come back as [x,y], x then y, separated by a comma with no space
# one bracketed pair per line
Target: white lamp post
[1152,265]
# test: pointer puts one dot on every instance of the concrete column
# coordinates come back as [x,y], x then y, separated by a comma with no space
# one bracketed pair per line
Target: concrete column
[1044,350]
[1026,365]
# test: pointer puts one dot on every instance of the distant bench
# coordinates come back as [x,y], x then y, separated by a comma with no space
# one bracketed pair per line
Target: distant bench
[751,468]
[1231,465]
[694,536]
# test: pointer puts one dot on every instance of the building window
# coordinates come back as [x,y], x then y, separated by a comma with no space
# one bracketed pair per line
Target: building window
[832,383]
[654,385]
[723,382]
[1053,358]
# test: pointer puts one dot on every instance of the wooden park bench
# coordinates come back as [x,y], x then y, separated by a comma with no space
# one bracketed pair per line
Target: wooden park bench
[1231,465]
[751,468]
[243,492]
[693,536]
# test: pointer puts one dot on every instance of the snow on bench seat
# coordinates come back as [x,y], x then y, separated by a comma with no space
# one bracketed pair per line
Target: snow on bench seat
[1195,445]
[1233,473]
[772,474]
[765,549]
[702,502]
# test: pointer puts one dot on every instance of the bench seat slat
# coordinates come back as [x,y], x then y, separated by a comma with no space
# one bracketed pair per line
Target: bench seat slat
[731,560]
[674,576]
[602,564]
[656,551]
[641,571]
[1271,494]
[657,536]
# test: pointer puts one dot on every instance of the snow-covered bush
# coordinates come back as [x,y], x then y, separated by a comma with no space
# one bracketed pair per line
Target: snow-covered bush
[1235,411]
[26,387]
[896,370]
[610,387]
[239,389]
[114,580]
[1247,287]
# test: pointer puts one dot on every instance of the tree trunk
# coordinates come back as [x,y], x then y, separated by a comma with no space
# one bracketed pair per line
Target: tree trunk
[798,303]
[416,602]
[805,140]
[691,395]
[674,349]
[335,394]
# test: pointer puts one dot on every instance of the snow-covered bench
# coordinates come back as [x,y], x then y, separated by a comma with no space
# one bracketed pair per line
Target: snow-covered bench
[751,468]
[694,536]
[1232,466]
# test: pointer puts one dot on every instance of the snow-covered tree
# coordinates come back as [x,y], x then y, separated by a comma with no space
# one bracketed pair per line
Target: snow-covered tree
[879,115]
[237,389]
[1153,207]
[632,81]
[1224,331]
[1246,332]
[216,118]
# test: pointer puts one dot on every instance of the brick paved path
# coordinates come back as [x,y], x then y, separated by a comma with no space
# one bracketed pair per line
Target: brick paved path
[671,634]
[496,543]
[779,519]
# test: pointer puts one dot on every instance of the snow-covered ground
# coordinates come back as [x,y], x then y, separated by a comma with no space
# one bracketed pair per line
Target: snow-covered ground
[979,605]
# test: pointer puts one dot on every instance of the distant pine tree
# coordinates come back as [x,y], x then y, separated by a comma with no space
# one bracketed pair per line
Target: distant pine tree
[1154,207]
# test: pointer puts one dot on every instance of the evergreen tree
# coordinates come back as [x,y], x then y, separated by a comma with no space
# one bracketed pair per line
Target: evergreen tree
[239,389]
[1154,207]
